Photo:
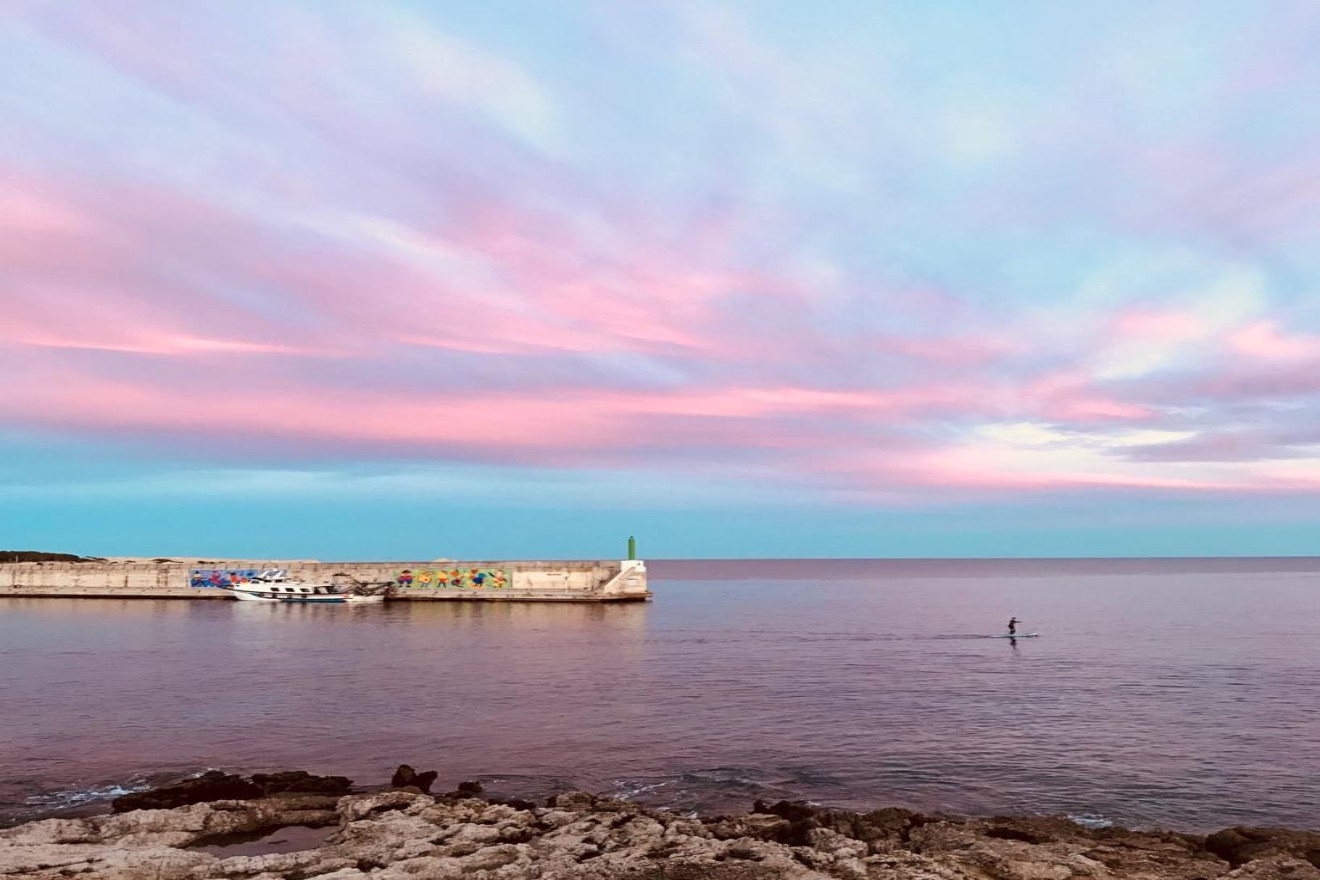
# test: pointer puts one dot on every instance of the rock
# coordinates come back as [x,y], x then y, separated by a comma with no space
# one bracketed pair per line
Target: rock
[516,803]
[838,845]
[1240,845]
[741,849]
[888,828]
[276,865]
[407,777]
[50,831]
[1000,848]
[758,826]
[361,806]
[573,800]
[1037,829]
[301,782]
[1275,868]
[468,789]
[492,858]
[149,843]
[793,811]
[879,829]
[404,834]
[213,785]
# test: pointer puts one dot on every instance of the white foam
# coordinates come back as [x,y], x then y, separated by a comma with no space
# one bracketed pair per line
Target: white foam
[628,790]
[79,796]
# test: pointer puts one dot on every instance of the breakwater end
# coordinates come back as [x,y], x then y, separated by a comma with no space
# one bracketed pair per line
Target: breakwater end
[437,580]
[405,832]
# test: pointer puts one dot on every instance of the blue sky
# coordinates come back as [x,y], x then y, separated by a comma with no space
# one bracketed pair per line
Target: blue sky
[403,280]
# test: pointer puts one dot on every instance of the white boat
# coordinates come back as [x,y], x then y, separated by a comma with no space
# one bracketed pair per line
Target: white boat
[275,586]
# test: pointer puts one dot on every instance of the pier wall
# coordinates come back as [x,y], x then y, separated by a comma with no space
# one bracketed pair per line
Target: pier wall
[442,580]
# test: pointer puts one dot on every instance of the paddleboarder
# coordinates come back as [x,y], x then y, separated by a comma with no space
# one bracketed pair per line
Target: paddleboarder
[1012,626]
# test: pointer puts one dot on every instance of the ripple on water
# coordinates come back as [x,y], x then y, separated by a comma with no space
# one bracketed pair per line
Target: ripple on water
[1160,697]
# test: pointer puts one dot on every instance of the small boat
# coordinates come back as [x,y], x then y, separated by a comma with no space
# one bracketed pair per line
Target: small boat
[274,586]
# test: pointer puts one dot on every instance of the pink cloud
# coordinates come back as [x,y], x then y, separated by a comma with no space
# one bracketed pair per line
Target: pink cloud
[1071,396]
[1265,341]
[384,419]
[307,238]
[130,337]
[124,269]
[970,472]
[585,420]
[26,214]
[1160,324]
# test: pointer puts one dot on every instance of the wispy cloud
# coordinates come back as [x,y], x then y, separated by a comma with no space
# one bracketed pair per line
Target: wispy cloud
[873,251]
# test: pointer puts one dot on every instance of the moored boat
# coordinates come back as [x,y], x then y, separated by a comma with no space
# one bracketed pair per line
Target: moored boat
[275,586]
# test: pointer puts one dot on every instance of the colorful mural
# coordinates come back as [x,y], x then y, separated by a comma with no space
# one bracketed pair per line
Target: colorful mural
[221,577]
[453,578]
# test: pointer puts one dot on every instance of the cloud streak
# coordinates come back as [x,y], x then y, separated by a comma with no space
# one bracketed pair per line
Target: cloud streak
[392,234]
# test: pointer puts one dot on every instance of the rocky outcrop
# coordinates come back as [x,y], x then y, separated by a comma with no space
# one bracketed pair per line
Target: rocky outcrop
[214,785]
[300,782]
[407,777]
[404,834]
[467,790]
[1242,845]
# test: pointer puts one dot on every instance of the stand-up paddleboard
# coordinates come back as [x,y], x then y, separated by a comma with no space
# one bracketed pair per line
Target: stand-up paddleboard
[1017,636]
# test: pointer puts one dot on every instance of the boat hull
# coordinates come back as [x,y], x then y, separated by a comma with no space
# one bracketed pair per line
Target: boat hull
[270,598]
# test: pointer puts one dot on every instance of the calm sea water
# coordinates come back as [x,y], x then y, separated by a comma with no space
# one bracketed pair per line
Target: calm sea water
[1182,694]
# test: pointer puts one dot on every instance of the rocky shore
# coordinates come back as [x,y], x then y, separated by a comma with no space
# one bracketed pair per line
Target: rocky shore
[204,829]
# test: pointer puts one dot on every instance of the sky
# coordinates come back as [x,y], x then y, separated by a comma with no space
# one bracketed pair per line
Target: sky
[850,278]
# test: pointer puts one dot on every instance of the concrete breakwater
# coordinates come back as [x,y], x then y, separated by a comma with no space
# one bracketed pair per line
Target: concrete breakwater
[439,580]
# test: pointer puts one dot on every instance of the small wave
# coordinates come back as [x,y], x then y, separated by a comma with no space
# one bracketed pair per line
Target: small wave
[77,797]
[626,791]
[1089,820]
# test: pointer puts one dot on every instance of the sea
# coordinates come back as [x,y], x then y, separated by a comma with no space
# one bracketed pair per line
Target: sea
[1174,693]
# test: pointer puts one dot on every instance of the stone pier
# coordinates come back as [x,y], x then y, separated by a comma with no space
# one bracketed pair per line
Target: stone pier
[442,580]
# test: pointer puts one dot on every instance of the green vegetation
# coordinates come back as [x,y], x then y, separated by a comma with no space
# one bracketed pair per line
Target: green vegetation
[38,556]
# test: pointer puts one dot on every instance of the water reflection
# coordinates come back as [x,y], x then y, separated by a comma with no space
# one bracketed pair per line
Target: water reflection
[854,693]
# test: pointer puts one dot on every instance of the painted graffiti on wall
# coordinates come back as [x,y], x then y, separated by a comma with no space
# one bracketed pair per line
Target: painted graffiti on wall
[441,578]
[223,577]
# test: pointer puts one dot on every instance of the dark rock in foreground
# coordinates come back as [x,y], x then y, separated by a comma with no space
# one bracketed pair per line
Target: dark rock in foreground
[404,834]
[467,790]
[214,785]
[1242,845]
[407,777]
[301,782]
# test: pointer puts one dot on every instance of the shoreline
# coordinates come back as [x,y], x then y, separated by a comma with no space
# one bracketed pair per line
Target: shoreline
[676,792]
[296,825]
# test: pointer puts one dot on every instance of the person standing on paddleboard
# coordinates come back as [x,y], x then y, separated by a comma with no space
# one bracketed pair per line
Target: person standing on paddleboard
[1012,626]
